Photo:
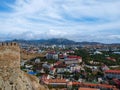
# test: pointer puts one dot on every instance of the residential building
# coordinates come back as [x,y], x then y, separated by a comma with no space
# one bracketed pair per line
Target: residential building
[88,88]
[52,55]
[73,60]
[92,86]
[112,74]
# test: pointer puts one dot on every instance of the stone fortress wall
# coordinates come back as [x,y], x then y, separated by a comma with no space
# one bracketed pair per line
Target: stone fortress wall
[9,60]
[9,55]
[11,77]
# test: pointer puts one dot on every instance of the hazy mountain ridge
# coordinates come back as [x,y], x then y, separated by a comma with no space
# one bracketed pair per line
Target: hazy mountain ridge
[58,41]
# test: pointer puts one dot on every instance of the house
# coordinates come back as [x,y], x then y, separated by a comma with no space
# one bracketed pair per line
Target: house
[52,55]
[60,67]
[52,70]
[97,52]
[28,66]
[45,65]
[104,67]
[62,56]
[116,52]
[92,86]
[117,82]
[75,68]
[88,88]
[111,59]
[37,60]
[41,71]
[73,60]
[56,82]
[70,51]
[112,74]
[23,62]
[95,63]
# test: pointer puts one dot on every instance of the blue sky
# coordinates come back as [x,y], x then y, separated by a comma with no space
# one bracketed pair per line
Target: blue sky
[79,20]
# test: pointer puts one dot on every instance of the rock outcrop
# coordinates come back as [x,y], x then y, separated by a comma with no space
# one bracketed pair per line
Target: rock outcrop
[11,77]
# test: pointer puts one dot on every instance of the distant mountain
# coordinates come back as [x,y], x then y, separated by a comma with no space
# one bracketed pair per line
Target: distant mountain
[56,41]
[88,43]
[60,41]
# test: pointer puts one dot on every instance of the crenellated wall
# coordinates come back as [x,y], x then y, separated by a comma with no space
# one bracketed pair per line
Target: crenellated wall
[11,77]
[9,55]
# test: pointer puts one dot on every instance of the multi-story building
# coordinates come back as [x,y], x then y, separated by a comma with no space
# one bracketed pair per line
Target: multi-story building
[112,74]
[52,55]
[73,60]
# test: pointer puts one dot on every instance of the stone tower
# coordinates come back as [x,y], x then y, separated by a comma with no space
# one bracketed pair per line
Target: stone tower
[9,56]
[9,60]
[11,77]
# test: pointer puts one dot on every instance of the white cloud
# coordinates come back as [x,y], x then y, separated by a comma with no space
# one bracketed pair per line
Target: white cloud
[75,19]
[114,37]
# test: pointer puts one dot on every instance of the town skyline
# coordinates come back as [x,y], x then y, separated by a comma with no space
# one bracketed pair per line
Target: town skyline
[83,20]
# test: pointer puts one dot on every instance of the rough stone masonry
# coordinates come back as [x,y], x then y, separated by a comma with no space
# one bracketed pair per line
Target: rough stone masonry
[11,77]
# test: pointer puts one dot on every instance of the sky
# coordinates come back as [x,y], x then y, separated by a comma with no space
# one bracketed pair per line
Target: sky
[78,20]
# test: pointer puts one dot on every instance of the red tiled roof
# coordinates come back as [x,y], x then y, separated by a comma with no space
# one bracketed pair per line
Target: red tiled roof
[52,68]
[58,62]
[52,52]
[61,56]
[78,57]
[89,84]
[92,85]
[57,81]
[113,71]
[88,89]
[112,59]
[60,66]
[76,83]
[117,81]
[106,86]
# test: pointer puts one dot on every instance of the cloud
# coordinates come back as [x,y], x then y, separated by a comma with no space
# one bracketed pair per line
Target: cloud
[38,35]
[79,20]
[114,37]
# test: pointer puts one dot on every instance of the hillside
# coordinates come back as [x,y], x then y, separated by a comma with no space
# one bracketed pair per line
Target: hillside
[56,41]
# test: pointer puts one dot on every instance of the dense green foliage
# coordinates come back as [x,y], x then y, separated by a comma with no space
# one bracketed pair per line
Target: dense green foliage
[102,58]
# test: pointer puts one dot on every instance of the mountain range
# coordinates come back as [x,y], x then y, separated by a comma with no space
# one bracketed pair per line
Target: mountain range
[56,41]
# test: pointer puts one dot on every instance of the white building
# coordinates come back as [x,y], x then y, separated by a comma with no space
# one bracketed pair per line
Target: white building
[73,60]
[97,52]
[112,74]
[52,55]
[37,60]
